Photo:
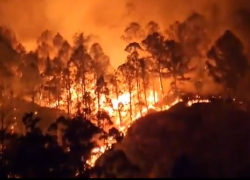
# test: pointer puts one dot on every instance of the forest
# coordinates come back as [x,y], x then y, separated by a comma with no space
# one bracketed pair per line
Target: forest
[65,110]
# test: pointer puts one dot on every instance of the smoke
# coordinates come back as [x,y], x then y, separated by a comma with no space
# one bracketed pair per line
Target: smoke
[28,18]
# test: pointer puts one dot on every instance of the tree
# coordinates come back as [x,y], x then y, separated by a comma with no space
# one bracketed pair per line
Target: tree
[44,47]
[68,85]
[134,64]
[48,74]
[127,72]
[102,90]
[8,36]
[191,34]
[36,155]
[154,44]
[144,74]
[6,112]
[101,61]
[64,53]
[177,65]
[77,137]
[192,37]
[227,63]
[58,41]
[81,40]
[152,27]
[116,80]
[83,63]
[30,74]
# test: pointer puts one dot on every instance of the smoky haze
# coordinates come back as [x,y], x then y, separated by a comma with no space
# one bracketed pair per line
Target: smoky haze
[108,19]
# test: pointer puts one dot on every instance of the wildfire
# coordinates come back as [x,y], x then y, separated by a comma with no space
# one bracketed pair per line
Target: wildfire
[123,108]
[98,151]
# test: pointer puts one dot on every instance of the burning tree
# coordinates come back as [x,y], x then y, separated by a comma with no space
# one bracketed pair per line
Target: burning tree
[30,75]
[134,63]
[83,63]
[126,71]
[48,74]
[102,93]
[227,63]
[44,48]
[101,61]
[116,81]
[192,37]
[191,34]
[64,53]
[144,75]
[58,41]
[154,44]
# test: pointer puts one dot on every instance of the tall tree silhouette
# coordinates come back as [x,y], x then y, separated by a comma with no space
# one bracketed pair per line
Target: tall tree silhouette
[227,63]
[127,72]
[134,63]
[102,92]
[154,44]
[83,63]
[144,74]
[37,155]
[78,137]
[191,34]
[101,61]
[57,41]
[116,80]
[177,65]
[30,75]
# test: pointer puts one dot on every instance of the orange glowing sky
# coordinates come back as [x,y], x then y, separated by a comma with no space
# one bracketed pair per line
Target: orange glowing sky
[104,18]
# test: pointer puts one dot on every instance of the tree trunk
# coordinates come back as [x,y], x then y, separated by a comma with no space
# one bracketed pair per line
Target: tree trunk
[138,94]
[118,108]
[130,102]
[86,106]
[98,109]
[56,98]
[161,83]
[145,93]
[69,95]
[161,86]
[154,90]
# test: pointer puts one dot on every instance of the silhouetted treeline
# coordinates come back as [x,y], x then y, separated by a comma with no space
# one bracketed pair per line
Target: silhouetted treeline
[70,76]
[63,151]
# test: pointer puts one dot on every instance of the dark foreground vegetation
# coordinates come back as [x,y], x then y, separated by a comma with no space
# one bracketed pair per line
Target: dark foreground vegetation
[204,140]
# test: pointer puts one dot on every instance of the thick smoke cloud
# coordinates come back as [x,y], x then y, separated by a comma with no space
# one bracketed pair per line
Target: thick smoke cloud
[108,19]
